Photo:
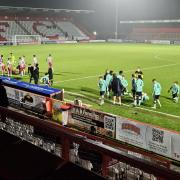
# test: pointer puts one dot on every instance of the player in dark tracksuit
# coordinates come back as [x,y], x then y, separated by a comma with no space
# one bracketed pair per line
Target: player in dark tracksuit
[116,89]
[36,74]
[133,90]
[31,73]
[50,73]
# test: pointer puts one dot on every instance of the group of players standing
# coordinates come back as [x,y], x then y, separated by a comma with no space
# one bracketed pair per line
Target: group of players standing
[10,65]
[118,85]
[33,70]
[13,67]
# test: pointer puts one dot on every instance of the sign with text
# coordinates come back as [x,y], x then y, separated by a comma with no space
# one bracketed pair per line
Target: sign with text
[88,119]
[158,141]
[25,99]
[131,132]
[175,151]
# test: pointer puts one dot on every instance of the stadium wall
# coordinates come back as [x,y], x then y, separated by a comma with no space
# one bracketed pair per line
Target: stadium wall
[71,142]
[152,138]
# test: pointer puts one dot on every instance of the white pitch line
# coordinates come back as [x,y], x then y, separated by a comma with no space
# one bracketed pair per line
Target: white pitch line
[158,112]
[75,79]
[131,70]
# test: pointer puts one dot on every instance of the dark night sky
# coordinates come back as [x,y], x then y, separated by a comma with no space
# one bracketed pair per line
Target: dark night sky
[141,9]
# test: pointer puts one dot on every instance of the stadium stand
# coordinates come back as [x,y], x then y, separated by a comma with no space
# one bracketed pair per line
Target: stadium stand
[50,29]
[46,28]
[153,32]
[157,33]
[9,29]
[71,29]
[66,28]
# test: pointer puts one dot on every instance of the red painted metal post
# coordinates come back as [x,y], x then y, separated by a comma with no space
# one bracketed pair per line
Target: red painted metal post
[105,163]
[65,148]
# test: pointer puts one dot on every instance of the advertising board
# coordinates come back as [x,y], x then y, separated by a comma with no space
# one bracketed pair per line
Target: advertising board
[131,132]
[88,119]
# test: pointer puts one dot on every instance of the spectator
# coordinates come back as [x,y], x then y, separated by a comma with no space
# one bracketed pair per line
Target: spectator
[3,100]
[3,95]
[66,35]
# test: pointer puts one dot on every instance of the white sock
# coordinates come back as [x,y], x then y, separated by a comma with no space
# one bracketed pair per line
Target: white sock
[159,103]
[135,102]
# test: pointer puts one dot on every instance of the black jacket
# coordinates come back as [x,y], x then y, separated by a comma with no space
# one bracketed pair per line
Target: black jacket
[50,72]
[3,97]
[116,85]
[36,73]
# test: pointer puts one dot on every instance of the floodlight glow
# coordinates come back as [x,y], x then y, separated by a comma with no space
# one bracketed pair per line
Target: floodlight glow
[95,33]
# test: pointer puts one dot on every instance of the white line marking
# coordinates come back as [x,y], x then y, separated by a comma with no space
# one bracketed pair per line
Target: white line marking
[156,56]
[131,70]
[75,79]
[162,113]
[73,93]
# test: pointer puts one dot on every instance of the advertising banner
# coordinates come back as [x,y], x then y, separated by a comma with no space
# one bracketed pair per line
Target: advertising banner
[160,42]
[158,141]
[13,96]
[25,99]
[88,120]
[175,151]
[131,132]
[151,138]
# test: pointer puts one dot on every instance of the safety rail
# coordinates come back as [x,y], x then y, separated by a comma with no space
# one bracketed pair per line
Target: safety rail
[68,137]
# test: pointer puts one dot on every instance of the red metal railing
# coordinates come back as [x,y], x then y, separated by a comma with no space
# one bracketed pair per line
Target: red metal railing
[67,137]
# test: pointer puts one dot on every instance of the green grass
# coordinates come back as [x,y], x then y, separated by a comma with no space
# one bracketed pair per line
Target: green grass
[76,61]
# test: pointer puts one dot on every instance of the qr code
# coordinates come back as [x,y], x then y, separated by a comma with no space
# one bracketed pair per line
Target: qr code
[157,135]
[109,123]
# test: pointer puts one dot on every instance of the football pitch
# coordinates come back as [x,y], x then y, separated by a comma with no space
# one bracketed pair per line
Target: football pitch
[78,66]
